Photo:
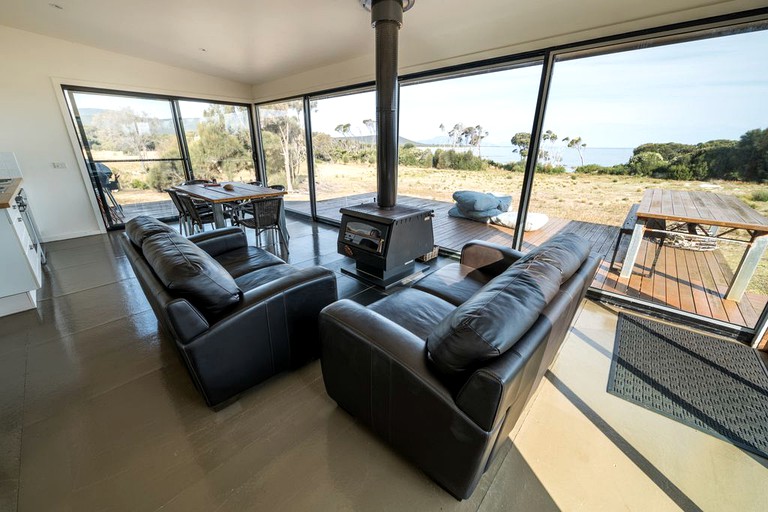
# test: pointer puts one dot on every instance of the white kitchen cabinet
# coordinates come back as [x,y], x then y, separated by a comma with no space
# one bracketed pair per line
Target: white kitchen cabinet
[20,256]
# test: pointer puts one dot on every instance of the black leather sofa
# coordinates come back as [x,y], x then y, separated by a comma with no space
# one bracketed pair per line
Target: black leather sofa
[442,370]
[238,314]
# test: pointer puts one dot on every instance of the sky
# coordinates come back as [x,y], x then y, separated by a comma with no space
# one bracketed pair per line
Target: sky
[688,92]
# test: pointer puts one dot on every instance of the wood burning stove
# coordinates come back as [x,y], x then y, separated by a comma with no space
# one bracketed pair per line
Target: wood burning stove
[384,242]
[383,238]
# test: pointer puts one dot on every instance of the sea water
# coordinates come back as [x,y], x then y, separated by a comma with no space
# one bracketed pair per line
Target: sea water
[568,157]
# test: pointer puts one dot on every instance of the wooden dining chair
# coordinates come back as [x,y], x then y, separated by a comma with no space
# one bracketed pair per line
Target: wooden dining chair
[261,215]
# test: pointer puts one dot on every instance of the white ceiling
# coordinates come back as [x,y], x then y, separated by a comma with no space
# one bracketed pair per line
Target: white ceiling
[258,41]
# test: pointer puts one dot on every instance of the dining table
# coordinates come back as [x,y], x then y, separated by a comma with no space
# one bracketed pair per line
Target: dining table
[218,195]
[705,215]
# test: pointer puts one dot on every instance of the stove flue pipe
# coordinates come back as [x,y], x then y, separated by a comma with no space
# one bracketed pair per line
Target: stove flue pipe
[386,19]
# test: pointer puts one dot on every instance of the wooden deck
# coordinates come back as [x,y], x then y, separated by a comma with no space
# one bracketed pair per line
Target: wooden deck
[695,282]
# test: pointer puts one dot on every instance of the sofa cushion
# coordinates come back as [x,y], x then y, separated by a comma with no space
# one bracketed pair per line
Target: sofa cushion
[455,283]
[565,251]
[414,310]
[533,221]
[492,321]
[190,273]
[140,228]
[470,201]
[261,276]
[244,260]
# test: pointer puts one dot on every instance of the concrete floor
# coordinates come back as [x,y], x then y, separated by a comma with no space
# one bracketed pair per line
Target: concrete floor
[97,413]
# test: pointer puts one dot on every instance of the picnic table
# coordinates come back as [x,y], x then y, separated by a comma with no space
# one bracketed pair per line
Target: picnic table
[707,215]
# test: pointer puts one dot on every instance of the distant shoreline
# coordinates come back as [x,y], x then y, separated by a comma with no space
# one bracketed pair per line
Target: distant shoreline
[570,156]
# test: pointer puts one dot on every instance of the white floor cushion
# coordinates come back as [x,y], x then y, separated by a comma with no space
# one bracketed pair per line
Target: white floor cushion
[533,221]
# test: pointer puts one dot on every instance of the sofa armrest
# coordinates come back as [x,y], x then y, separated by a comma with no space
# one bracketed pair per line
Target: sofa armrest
[376,370]
[488,257]
[499,389]
[347,326]
[274,328]
[219,241]
[187,322]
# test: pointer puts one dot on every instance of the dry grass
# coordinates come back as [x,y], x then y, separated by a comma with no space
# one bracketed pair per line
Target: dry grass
[587,198]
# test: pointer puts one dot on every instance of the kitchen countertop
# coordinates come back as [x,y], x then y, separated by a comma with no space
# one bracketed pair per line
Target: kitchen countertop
[8,190]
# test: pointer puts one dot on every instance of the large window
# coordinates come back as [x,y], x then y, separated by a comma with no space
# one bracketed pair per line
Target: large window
[458,133]
[344,147]
[219,140]
[284,144]
[687,117]
[133,148]
[132,152]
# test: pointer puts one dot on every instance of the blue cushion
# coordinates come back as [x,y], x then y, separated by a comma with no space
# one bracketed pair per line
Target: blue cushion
[504,202]
[469,201]
[478,216]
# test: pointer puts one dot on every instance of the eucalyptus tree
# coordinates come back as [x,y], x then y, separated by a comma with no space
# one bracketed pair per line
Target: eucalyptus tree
[579,144]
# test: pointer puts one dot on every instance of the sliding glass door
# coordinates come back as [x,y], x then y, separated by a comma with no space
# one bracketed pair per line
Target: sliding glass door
[678,127]
[460,133]
[344,148]
[284,143]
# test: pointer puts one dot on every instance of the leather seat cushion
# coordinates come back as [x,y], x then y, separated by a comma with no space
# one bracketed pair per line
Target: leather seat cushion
[190,273]
[140,228]
[565,251]
[244,260]
[265,275]
[414,310]
[455,283]
[494,319]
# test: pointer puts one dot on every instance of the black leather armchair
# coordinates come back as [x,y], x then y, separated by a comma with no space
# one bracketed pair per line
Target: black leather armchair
[238,314]
[377,362]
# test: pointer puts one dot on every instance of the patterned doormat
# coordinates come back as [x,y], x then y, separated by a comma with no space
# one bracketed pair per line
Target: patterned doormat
[713,385]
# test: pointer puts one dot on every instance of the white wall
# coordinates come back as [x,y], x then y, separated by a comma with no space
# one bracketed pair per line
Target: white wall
[33,126]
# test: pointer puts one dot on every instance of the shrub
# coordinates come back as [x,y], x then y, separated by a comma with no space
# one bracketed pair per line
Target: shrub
[164,175]
[511,166]
[550,169]
[411,156]
[139,184]
[619,169]
[457,160]
[760,195]
[680,172]
[645,164]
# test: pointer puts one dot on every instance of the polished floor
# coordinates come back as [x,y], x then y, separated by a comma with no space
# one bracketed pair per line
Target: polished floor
[97,413]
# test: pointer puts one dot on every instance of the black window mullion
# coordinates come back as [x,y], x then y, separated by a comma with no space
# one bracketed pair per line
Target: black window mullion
[261,168]
[310,157]
[90,163]
[255,145]
[533,151]
[178,124]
